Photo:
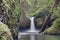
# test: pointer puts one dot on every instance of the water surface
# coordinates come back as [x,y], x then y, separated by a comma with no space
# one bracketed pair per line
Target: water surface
[42,37]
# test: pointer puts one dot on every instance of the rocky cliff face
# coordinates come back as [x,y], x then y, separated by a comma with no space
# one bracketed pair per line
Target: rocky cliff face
[38,23]
[24,22]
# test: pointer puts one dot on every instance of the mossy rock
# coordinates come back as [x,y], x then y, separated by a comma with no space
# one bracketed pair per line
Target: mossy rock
[55,28]
[5,33]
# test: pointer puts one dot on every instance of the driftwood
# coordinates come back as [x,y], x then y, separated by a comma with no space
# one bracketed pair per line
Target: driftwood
[49,15]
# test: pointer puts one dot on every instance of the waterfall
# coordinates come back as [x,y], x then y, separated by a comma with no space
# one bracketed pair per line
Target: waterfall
[32,31]
[32,26]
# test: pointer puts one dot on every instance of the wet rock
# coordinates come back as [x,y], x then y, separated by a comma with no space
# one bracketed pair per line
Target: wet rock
[38,23]
[24,22]
[39,19]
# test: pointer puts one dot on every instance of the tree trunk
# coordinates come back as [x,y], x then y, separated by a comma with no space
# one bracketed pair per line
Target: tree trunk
[49,15]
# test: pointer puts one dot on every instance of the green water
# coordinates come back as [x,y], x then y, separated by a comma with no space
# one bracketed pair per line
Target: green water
[42,37]
[52,37]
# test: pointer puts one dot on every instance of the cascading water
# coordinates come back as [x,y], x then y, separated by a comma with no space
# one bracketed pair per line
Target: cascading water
[32,31]
[32,26]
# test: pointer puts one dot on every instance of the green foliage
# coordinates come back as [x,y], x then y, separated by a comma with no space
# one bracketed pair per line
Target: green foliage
[4,28]
[55,28]
[56,12]
[13,10]
[13,14]
[30,8]
[36,6]
[8,3]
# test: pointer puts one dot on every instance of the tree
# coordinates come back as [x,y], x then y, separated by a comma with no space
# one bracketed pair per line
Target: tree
[49,15]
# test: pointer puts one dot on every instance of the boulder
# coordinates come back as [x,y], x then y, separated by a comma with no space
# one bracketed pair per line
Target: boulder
[5,33]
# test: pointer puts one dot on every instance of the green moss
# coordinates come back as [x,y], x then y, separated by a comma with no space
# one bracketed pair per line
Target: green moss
[4,32]
[55,28]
